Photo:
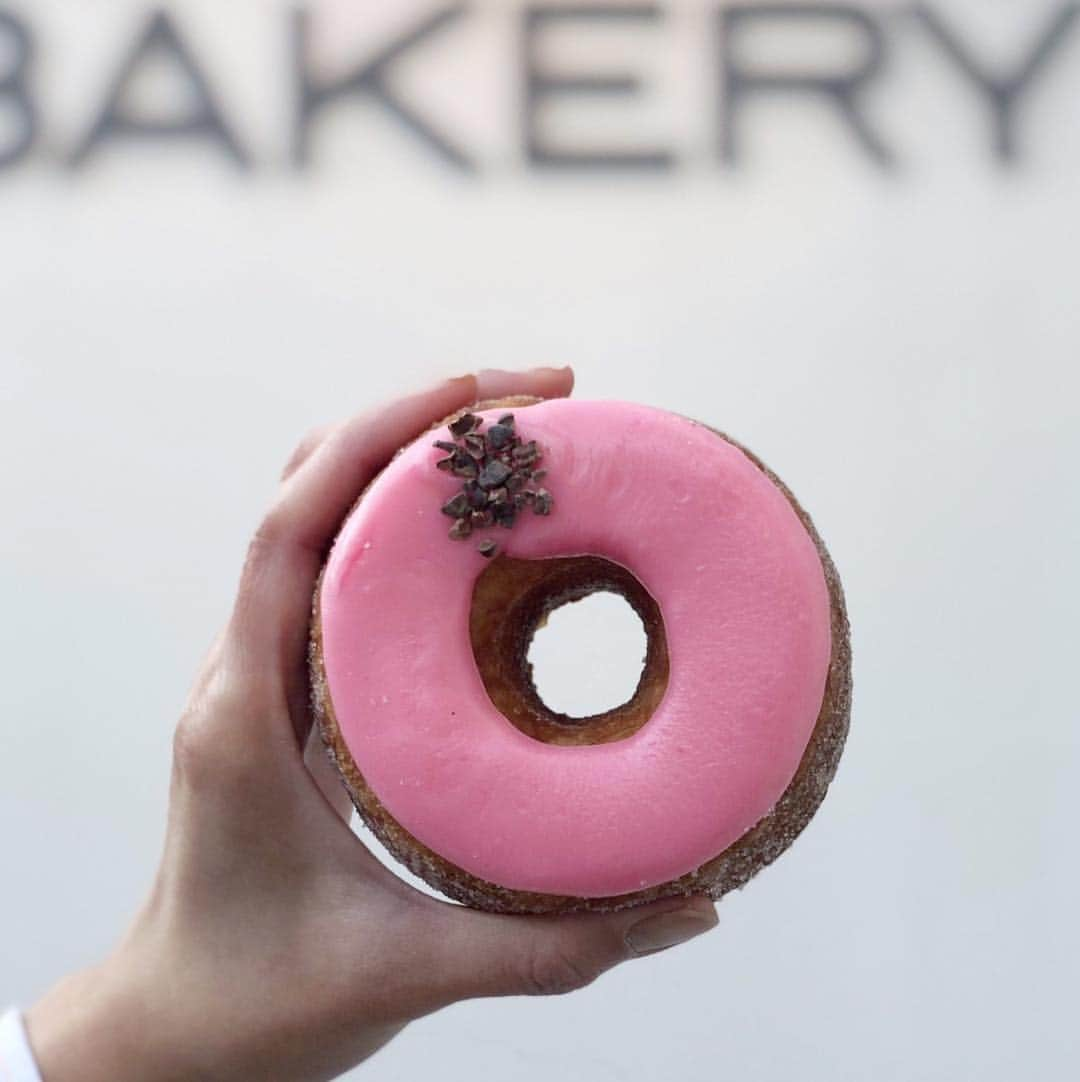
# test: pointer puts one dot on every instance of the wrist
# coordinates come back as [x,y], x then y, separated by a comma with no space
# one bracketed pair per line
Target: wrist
[120,1022]
[88,1028]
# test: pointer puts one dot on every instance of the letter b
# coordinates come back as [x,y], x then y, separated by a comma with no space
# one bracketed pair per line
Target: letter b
[16,51]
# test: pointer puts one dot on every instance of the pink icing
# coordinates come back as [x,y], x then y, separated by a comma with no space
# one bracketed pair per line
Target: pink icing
[746,611]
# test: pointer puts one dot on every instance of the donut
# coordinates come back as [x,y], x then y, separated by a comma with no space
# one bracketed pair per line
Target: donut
[453,556]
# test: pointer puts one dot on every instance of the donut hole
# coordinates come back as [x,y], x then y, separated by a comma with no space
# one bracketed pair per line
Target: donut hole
[588,655]
[513,599]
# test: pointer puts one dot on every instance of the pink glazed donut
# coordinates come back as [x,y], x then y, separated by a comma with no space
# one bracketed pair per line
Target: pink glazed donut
[421,687]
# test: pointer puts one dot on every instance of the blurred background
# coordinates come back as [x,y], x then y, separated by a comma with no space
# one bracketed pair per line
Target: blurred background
[846,234]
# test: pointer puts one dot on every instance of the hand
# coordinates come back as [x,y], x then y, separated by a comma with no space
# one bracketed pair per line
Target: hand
[273,944]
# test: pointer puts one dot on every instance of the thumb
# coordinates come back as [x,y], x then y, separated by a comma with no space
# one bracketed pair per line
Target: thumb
[486,954]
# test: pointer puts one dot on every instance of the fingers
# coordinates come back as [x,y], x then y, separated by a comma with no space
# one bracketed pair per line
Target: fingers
[540,383]
[269,624]
[268,628]
[304,449]
[484,954]
[490,383]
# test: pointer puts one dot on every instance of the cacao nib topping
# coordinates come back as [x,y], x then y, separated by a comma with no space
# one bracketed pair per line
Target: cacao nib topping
[499,436]
[498,473]
[463,465]
[456,507]
[476,496]
[493,474]
[465,423]
[474,445]
[526,454]
[461,529]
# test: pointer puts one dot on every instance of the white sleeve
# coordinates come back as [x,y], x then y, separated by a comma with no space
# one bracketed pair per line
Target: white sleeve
[16,1059]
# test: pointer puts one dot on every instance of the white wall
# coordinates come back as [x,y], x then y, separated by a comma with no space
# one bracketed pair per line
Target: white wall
[900,347]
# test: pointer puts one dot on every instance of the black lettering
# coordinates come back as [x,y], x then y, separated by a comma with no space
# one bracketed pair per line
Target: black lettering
[841,90]
[1002,90]
[14,93]
[539,86]
[204,120]
[373,80]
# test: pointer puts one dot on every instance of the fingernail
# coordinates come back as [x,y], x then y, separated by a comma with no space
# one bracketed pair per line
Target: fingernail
[669,930]
[499,382]
[522,371]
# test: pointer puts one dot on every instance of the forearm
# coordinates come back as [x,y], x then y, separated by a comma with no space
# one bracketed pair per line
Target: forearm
[106,1024]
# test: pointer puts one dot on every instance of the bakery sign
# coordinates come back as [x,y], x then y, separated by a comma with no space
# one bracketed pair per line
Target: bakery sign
[841,90]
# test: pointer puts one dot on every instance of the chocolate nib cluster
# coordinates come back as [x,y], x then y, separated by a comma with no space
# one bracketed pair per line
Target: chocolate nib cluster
[499,476]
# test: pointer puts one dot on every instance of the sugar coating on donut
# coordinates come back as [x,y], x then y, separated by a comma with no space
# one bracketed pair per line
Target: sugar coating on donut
[746,613]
